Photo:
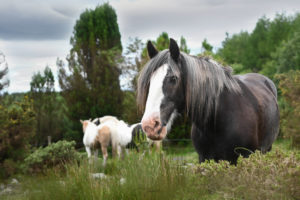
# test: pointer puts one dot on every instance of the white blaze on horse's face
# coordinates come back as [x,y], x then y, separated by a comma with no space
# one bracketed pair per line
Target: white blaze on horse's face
[151,122]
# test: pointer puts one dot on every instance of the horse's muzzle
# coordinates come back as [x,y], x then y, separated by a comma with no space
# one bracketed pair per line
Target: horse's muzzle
[154,129]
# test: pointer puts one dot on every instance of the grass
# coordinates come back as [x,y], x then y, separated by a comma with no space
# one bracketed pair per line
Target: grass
[275,175]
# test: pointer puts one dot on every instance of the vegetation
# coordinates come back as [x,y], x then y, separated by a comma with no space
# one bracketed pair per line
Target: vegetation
[92,88]
[49,108]
[159,176]
[3,71]
[54,155]
[264,48]
[289,84]
[17,128]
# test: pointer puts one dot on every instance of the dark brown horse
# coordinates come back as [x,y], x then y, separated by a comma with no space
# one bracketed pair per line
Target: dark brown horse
[230,115]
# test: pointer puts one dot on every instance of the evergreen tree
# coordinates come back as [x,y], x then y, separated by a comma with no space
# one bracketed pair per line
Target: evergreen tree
[206,46]
[3,71]
[254,52]
[92,88]
[48,107]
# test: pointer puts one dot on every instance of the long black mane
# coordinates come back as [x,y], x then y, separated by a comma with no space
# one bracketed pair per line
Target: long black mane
[204,78]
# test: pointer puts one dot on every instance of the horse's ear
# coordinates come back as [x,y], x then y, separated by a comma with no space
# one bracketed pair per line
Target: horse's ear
[174,50]
[81,121]
[151,49]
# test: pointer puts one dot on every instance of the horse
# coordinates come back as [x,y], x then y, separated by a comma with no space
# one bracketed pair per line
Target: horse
[231,115]
[126,136]
[94,137]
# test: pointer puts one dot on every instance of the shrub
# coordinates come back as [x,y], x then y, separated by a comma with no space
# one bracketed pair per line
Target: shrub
[54,155]
[274,175]
[289,84]
[17,123]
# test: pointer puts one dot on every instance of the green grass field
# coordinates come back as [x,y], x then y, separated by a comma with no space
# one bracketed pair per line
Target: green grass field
[174,174]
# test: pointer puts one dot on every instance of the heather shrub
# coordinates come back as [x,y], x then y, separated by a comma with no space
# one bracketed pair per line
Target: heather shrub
[17,127]
[289,84]
[55,155]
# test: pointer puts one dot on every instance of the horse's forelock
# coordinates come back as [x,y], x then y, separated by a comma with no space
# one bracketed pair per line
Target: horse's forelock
[145,76]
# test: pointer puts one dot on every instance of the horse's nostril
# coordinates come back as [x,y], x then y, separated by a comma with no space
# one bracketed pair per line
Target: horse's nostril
[156,124]
[148,129]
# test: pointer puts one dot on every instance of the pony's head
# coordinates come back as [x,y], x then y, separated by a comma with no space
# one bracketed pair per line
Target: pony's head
[85,124]
[161,90]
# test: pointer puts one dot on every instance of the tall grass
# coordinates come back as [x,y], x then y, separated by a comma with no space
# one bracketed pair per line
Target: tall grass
[275,175]
[152,176]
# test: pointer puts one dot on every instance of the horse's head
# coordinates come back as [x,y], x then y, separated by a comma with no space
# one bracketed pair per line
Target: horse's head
[162,78]
[85,124]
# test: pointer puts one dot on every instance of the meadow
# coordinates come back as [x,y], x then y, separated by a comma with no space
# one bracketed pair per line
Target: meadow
[173,173]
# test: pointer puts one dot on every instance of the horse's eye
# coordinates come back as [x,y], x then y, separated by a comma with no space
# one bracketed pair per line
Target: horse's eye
[173,79]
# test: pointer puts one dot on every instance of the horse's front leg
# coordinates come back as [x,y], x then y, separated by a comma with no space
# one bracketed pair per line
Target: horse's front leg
[89,152]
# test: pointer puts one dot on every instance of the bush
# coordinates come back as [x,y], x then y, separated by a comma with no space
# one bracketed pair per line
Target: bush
[54,155]
[17,127]
[289,84]
[274,175]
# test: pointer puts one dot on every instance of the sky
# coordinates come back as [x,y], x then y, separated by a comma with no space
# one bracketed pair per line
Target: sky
[34,33]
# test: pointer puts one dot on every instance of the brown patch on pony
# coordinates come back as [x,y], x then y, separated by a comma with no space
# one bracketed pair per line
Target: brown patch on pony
[104,138]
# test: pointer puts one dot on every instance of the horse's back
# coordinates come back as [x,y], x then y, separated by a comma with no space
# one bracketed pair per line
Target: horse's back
[254,80]
[265,96]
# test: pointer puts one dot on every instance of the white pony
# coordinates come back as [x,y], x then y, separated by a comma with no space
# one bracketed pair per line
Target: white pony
[122,134]
[94,137]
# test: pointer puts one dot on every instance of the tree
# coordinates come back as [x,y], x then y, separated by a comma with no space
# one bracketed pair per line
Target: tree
[3,72]
[253,52]
[49,108]
[43,93]
[92,87]
[285,58]
[183,45]
[206,46]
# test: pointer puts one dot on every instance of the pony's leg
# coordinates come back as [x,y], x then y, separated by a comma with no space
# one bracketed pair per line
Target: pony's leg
[96,154]
[104,153]
[88,150]
[114,149]
[122,152]
[119,150]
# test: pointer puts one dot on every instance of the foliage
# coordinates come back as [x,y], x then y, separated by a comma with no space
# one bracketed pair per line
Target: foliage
[3,71]
[92,88]
[206,46]
[274,175]
[49,108]
[289,84]
[265,47]
[285,58]
[271,176]
[54,155]
[17,127]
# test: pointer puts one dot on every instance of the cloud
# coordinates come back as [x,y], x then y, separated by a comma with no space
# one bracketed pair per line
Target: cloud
[33,33]
[24,58]
[194,19]
[38,20]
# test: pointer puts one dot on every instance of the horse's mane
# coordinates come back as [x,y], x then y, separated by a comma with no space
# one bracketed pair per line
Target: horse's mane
[205,79]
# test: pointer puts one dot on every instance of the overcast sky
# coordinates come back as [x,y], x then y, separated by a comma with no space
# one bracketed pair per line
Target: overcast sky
[34,33]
